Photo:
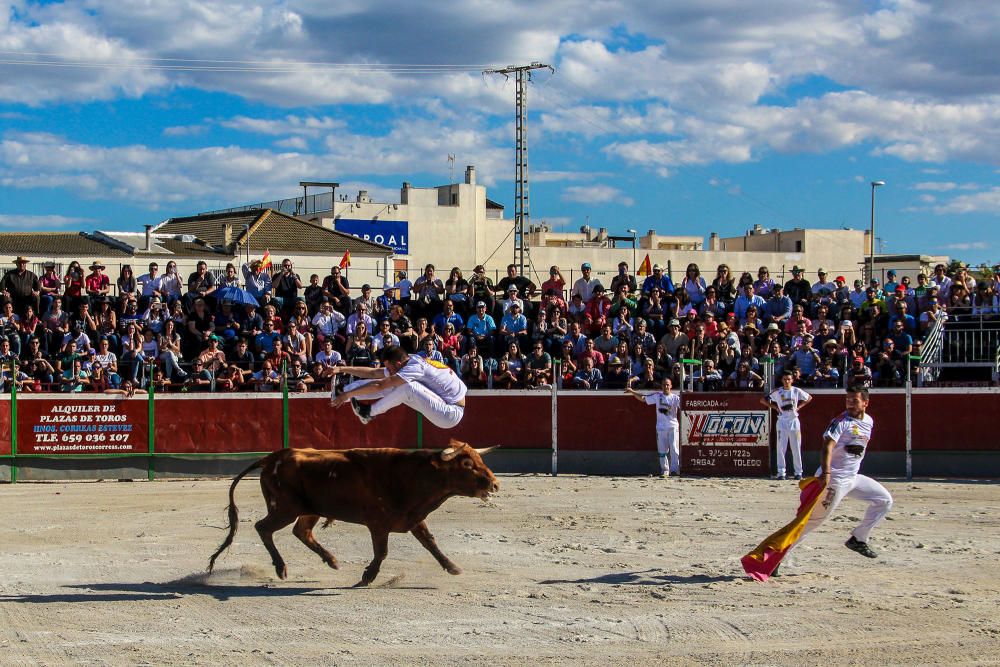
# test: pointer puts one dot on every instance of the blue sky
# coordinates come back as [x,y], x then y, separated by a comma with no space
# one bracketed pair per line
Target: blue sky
[685,117]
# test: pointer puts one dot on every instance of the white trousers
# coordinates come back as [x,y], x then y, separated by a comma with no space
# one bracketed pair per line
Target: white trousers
[789,435]
[667,443]
[418,397]
[859,487]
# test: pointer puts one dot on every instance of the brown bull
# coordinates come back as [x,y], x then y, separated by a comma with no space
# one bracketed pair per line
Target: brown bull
[387,490]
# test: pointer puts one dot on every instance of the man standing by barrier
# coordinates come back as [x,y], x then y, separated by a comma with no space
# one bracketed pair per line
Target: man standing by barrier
[667,405]
[788,400]
[431,388]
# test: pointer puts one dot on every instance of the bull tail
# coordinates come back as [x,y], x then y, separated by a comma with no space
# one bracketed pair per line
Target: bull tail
[234,514]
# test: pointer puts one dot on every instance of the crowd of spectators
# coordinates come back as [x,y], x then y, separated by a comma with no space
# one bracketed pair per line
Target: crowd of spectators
[249,328]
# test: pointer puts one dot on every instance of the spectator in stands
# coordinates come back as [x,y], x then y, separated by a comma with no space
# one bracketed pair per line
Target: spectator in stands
[764,285]
[552,299]
[401,326]
[623,279]
[693,284]
[525,288]
[337,289]
[267,377]
[329,357]
[903,315]
[744,379]
[725,286]
[329,323]
[567,362]
[448,316]
[859,375]
[642,337]
[384,337]
[481,327]
[457,291]
[823,289]
[255,278]
[360,349]
[798,289]
[383,304]
[74,379]
[264,341]
[621,298]
[73,283]
[587,375]
[745,300]
[590,352]
[623,325]
[822,317]
[473,373]
[618,375]
[539,367]
[511,299]
[503,377]
[513,327]
[200,379]
[429,291]
[674,338]
[985,302]
[482,288]
[555,282]
[359,316]
[597,312]
[20,286]
[201,284]
[299,379]
[49,285]
[128,287]
[576,310]
[171,284]
[107,361]
[585,284]
[712,304]
[422,331]
[295,344]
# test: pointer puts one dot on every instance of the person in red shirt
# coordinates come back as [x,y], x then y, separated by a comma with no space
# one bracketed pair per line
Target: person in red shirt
[555,282]
[97,283]
[596,315]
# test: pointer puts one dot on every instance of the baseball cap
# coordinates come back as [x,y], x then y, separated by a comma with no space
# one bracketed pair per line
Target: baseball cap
[674,323]
[820,270]
[585,265]
[657,267]
[858,283]
[891,272]
[900,288]
[840,279]
[215,338]
[480,304]
[512,288]
[859,359]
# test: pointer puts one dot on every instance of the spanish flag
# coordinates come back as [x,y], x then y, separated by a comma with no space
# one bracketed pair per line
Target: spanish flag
[345,261]
[265,261]
[764,560]
[644,269]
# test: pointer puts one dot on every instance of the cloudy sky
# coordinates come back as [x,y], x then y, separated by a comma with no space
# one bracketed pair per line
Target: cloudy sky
[685,117]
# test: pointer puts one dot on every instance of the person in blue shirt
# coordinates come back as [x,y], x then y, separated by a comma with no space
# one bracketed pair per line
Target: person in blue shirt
[481,328]
[909,322]
[779,306]
[514,326]
[263,342]
[746,299]
[890,283]
[447,316]
[657,279]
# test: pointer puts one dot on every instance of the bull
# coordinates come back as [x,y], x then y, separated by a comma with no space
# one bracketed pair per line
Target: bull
[386,490]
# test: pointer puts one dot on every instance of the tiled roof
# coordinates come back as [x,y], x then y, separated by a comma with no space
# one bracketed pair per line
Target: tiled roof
[57,244]
[269,229]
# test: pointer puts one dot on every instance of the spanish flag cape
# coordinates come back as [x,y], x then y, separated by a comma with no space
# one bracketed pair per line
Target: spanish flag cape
[764,560]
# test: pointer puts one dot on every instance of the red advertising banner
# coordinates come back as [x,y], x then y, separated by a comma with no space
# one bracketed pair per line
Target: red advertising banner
[314,423]
[60,425]
[5,425]
[725,434]
[514,421]
[590,422]
[234,423]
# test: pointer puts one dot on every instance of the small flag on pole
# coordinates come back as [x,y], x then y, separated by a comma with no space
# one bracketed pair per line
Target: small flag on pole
[644,269]
[265,261]
[345,261]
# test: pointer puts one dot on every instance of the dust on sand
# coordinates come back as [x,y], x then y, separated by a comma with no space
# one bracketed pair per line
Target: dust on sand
[574,570]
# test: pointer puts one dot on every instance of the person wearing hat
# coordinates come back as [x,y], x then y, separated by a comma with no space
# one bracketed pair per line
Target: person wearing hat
[97,284]
[585,284]
[480,327]
[823,288]
[674,339]
[858,374]
[525,288]
[874,283]
[21,287]
[255,278]
[857,295]
[385,302]
[513,326]
[510,299]
[798,289]
[890,281]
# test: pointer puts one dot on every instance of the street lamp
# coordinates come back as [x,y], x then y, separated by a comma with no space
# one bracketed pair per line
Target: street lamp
[871,240]
[634,234]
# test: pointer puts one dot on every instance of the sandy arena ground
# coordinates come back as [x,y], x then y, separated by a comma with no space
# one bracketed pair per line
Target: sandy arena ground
[566,570]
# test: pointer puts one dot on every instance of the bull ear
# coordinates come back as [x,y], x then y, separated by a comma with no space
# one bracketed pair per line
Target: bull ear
[450,453]
[486,450]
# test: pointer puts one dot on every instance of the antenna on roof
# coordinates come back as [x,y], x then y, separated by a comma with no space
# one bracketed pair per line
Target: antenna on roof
[451,168]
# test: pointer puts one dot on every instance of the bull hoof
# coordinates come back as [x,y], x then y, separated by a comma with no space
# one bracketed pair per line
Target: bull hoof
[281,571]
[333,563]
[361,584]
[453,569]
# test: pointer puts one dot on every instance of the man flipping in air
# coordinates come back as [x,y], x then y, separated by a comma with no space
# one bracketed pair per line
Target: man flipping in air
[431,388]
[788,400]
[845,442]
[667,431]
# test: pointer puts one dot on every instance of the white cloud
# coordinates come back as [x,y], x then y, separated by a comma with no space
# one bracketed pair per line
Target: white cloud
[987,201]
[185,130]
[35,222]
[309,126]
[295,143]
[935,186]
[974,245]
[595,194]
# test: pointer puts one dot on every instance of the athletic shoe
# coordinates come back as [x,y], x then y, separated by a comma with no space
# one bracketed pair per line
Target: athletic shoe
[362,410]
[780,478]
[861,547]
[798,477]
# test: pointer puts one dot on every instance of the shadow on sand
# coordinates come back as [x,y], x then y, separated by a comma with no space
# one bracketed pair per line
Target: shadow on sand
[651,577]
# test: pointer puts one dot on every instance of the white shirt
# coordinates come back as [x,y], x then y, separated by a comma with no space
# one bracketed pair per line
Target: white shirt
[851,437]
[667,406]
[404,286]
[788,401]
[150,284]
[330,323]
[434,375]
[584,288]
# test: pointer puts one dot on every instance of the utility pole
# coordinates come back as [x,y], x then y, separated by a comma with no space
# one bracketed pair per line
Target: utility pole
[522,212]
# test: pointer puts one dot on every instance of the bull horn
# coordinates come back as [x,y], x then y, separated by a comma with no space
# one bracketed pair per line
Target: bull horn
[486,450]
[450,453]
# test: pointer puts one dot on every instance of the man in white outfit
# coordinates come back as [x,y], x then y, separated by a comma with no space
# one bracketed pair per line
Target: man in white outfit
[431,388]
[788,400]
[667,430]
[845,442]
